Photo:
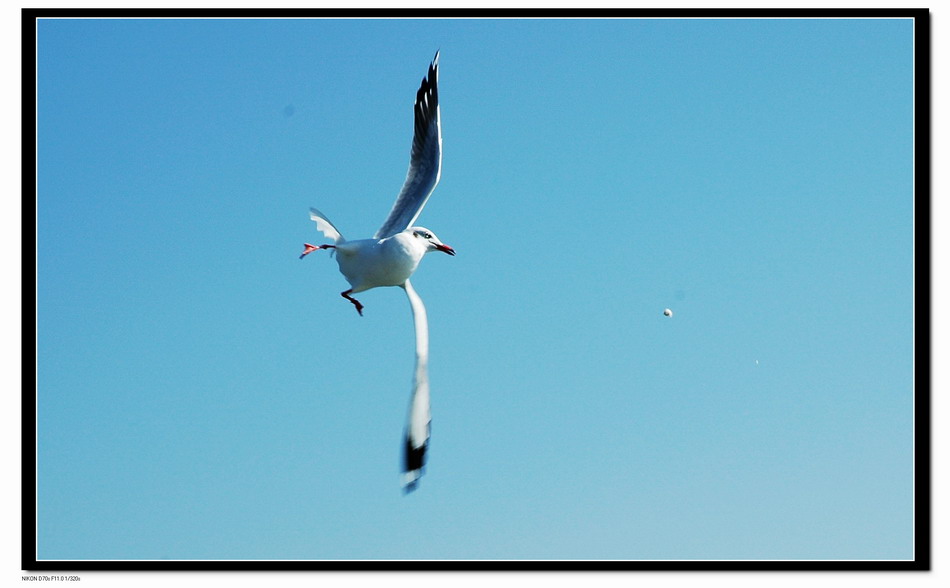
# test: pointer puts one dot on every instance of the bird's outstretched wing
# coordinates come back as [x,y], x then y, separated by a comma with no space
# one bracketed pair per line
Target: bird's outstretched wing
[325,226]
[425,162]
[417,427]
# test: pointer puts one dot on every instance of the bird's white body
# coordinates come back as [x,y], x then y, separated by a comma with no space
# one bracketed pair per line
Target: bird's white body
[372,263]
[394,253]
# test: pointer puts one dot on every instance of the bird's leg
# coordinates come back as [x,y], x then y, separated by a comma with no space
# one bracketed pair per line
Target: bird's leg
[356,303]
[308,248]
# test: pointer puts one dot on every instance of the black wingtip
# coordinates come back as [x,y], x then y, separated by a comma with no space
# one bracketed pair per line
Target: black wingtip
[433,73]
[414,459]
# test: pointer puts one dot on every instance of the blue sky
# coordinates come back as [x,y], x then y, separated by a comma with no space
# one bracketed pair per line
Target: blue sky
[202,393]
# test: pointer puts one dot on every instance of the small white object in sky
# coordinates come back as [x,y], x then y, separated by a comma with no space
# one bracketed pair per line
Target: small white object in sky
[756,362]
[667,312]
[394,253]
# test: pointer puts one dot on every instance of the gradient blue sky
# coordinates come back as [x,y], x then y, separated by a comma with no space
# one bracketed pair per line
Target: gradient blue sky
[202,393]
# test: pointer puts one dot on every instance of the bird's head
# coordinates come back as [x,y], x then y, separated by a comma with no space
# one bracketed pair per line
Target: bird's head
[431,242]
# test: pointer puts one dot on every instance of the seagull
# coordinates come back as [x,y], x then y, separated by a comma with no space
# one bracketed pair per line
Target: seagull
[394,253]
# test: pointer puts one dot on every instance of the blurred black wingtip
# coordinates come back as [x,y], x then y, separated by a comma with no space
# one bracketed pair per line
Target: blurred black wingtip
[414,459]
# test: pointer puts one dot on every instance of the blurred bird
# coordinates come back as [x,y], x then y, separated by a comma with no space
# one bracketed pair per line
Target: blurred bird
[394,253]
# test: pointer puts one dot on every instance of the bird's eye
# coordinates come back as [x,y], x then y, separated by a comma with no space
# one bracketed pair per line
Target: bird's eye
[424,234]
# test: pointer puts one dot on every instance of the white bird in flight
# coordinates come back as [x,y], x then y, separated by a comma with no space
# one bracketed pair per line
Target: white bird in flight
[394,253]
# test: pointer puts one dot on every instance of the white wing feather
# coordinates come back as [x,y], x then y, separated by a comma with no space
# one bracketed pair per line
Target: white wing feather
[417,427]
[325,226]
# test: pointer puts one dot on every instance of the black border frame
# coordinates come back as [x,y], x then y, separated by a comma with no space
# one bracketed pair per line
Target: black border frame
[922,264]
